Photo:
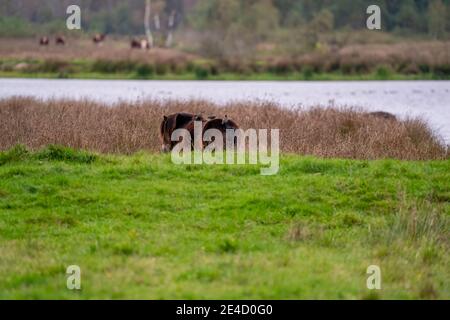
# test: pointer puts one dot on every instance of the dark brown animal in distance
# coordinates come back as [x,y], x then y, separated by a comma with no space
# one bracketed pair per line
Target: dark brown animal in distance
[135,44]
[384,115]
[99,38]
[145,44]
[172,122]
[60,40]
[44,41]
[139,44]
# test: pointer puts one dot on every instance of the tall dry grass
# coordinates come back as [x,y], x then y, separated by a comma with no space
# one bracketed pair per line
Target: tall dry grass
[127,128]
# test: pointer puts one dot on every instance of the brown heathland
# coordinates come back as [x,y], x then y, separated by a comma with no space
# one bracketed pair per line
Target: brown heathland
[75,49]
[404,57]
[127,128]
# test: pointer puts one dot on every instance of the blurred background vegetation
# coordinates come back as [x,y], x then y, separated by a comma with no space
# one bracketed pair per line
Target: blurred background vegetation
[242,35]
[225,20]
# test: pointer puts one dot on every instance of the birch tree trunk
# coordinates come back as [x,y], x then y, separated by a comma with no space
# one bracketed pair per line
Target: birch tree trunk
[171,24]
[148,32]
[157,22]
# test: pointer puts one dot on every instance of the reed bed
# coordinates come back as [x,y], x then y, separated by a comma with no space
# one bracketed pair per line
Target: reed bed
[126,128]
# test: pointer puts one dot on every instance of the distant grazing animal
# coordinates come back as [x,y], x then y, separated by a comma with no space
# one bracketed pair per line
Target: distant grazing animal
[60,40]
[384,115]
[44,41]
[135,44]
[140,44]
[173,122]
[99,38]
[145,44]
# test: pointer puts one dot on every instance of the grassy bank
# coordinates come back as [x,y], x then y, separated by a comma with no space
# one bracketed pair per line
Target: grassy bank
[202,70]
[224,77]
[142,227]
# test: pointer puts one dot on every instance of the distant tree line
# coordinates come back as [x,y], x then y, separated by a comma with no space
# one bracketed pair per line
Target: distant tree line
[232,28]
[22,17]
[249,20]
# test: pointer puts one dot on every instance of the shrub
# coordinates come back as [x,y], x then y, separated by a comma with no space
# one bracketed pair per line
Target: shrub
[145,70]
[110,66]
[201,72]
[161,69]
[442,71]
[282,67]
[383,73]
[53,66]
[215,70]
[307,73]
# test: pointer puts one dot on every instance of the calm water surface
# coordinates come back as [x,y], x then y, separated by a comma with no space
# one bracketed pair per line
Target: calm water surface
[427,99]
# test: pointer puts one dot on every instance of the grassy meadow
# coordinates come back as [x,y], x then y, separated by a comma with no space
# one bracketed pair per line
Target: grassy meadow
[142,227]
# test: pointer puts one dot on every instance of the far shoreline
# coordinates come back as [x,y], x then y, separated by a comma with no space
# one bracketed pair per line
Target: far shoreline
[223,77]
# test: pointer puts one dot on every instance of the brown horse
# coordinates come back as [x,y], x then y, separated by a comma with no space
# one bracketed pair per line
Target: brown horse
[99,38]
[139,44]
[135,44]
[170,123]
[145,44]
[44,41]
[60,40]
[222,125]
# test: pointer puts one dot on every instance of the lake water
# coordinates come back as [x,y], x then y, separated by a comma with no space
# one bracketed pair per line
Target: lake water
[427,99]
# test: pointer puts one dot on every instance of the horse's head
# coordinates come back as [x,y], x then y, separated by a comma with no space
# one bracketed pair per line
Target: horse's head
[165,135]
[170,123]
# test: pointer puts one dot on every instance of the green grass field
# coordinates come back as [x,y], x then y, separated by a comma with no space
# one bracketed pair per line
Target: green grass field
[142,227]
